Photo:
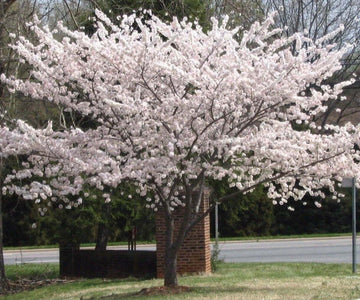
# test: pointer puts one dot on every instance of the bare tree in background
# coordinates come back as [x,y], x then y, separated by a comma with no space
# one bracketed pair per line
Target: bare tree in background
[318,18]
[241,12]
[68,11]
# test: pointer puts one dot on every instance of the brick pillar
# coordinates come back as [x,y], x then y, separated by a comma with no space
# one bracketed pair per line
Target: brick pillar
[194,255]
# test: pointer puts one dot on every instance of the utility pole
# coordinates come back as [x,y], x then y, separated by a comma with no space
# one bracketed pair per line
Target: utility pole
[353,225]
[351,183]
[217,222]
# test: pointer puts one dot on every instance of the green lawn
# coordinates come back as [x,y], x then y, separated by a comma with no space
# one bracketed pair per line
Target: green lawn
[32,271]
[231,281]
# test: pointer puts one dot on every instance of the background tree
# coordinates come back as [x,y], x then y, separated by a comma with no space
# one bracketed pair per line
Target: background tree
[14,15]
[332,217]
[241,12]
[6,14]
[246,215]
[164,9]
[318,18]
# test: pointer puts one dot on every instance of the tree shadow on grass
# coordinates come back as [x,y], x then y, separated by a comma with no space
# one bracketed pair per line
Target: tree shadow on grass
[196,291]
[205,291]
[152,291]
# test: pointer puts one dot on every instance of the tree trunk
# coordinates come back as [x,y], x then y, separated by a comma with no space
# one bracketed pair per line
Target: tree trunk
[170,276]
[103,230]
[173,243]
[102,237]
[4,285]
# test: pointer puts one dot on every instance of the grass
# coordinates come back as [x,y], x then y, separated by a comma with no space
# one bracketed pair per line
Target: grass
[231,281]
[32,271]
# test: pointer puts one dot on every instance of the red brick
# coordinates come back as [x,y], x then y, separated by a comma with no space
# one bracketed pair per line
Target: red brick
[194,255]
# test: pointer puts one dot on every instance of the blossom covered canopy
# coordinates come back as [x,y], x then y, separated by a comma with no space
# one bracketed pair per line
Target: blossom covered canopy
[174,106]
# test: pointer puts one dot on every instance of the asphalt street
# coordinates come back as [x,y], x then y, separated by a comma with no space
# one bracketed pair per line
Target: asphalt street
[334,250]
[323,250]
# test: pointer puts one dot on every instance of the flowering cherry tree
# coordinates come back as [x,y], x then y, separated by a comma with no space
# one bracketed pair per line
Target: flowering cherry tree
[174,106]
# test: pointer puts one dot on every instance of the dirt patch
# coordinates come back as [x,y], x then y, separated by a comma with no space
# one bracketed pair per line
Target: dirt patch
[21,285]
[163,290]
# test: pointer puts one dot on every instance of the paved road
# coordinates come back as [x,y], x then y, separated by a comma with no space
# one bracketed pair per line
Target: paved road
[12,257]
[332,250]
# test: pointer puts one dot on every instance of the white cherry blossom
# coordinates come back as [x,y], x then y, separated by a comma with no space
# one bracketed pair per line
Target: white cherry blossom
[173,107]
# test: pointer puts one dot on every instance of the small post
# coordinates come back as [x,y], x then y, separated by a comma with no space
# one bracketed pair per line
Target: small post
[132,239]
[354,225]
